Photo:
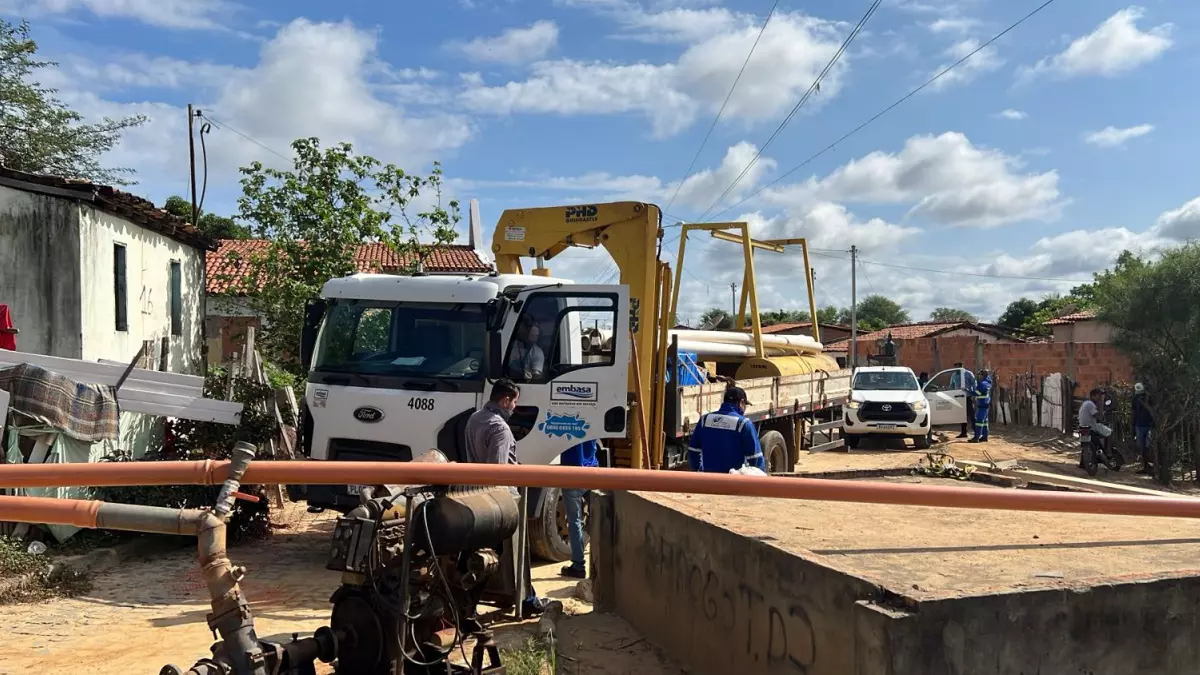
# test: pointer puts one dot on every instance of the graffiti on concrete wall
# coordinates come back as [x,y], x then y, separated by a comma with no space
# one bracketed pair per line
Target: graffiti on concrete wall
[775,630]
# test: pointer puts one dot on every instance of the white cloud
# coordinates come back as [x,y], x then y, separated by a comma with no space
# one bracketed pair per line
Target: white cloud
[985,61]
[697,192]
[1111,137]
[678,24]
[1011,114]
[177,14]
[312,79]
[1181,224]
[793,50]
[513,46]
[953,25]
[1115,47]
[948,180]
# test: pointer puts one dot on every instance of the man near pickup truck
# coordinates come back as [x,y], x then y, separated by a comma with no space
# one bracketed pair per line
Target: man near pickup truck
[491,441]
[964,380]
[983,404]
[583,454]
[725,440]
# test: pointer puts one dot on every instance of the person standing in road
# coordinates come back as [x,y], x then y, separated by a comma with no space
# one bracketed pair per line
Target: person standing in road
[965,381]
[1143,424]
[983,404]
[491,441]
[726,440]
[583,454]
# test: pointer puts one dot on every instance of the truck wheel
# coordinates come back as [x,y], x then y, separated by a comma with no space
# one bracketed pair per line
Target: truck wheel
[775,454]
[921,442]
[548,537]
[852,442]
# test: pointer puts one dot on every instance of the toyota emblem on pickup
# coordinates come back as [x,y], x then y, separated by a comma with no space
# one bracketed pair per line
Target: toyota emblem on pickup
[885,407]
[368,414]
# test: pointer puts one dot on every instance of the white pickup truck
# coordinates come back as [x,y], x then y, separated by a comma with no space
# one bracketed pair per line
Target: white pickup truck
[889,402]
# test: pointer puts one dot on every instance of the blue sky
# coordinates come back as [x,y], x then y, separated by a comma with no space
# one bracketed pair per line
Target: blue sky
[1032,164]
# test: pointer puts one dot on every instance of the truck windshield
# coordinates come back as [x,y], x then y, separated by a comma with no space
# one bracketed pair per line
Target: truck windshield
[886,381]
[418,339]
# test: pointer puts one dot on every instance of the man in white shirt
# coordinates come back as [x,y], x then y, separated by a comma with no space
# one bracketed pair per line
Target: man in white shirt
[1088,411]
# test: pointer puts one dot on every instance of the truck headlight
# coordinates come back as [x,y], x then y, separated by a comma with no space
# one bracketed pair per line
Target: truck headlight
[919,405]
[853,405]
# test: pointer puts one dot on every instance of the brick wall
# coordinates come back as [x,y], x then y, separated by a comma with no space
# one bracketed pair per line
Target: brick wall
[1093,363]
[233,337]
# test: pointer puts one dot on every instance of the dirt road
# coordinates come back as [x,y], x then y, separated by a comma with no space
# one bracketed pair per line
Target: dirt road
[152,612]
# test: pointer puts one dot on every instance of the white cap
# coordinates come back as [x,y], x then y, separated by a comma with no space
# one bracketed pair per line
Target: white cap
[1139,387]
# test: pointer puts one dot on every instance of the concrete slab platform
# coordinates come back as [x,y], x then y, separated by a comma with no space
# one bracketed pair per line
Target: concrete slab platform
[767,586]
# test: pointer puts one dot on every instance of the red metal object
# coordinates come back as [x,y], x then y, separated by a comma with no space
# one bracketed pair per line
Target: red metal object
[8,334]
[209,472]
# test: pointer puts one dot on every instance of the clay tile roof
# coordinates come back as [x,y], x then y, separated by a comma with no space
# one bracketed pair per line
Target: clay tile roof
[1070,318]
[923,329]
[780,327]
[223,269]
[124,205]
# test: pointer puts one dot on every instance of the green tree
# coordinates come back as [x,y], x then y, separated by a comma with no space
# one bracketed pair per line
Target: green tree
[217,227]
[828,314]
[1017,314]
[778,316]
[317,215]
[716,319]
[950,314]
[38,132]
[876,312]
[1152,307]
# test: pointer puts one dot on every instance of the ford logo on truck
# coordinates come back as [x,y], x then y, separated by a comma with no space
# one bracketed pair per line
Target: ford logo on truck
[368,414]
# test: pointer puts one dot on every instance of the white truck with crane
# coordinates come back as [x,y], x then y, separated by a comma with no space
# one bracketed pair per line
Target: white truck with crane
[398,363]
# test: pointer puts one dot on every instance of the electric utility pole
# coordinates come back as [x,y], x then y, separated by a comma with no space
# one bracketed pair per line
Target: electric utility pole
[733,299]
[853,306]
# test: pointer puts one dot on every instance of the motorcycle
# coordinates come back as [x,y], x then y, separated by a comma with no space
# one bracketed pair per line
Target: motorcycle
[1096,445]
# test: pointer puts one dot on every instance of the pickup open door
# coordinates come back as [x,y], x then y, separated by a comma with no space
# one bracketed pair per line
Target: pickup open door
[947,397]
[566,398]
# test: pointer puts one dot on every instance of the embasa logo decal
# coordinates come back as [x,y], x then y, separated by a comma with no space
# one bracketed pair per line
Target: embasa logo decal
[564,425]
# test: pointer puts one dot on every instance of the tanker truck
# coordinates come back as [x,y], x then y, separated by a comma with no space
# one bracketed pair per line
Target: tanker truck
[397,364]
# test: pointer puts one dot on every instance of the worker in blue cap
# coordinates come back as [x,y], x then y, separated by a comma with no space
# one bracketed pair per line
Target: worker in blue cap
[725,440]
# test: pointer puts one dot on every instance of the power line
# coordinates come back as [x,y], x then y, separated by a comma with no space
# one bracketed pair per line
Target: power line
[888,109]
[954,272]
[815,86]
[223,125]
[725,103]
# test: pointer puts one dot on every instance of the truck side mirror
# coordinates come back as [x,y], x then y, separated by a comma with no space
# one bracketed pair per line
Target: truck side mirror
[494,365]
[314,311]
[497,311]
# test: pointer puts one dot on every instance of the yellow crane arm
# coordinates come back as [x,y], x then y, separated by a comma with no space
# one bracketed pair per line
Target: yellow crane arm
[630,232]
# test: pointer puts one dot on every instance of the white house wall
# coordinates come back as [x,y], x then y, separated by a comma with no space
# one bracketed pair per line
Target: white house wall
[39,272]
[148,257]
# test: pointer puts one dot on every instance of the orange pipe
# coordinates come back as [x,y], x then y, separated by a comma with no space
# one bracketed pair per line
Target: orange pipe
[51,511]
[208,472]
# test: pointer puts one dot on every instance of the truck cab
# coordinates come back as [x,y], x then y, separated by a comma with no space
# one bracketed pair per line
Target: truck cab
[397,364]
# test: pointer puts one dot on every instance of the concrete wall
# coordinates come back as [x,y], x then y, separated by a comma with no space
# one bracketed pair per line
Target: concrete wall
[721,603]
[39,271]
[1083,331]
[229,317]
[148,259]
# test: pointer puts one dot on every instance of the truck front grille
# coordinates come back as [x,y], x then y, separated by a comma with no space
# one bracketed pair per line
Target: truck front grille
[887,412]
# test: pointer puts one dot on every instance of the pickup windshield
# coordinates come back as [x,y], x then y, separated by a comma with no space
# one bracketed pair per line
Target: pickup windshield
[404,339]
[885,381]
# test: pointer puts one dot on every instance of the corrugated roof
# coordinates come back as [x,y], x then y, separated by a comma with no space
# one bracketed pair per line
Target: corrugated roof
[780,327]
[133,208]
[224,269]
[1070,318]
[923,329]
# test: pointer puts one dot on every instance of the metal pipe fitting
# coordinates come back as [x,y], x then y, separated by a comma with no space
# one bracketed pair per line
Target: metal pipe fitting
[243,452]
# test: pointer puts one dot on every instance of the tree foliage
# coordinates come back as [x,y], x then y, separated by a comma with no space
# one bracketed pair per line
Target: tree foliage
[876,312]
[41,134]
[315,217]
[1030,317]
[716,319]
[212,225]
[951,314]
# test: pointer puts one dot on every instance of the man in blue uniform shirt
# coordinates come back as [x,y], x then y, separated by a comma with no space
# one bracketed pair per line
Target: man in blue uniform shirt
[983,404]
[726,440]
[583,454]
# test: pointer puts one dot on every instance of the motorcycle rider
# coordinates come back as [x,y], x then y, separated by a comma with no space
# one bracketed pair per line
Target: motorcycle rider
[1088,412]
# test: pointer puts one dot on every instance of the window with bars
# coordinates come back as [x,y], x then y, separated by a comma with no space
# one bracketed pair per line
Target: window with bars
[176,298]
[120,287]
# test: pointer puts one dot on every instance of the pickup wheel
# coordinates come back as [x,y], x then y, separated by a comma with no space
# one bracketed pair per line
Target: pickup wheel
[921,442]
[775,454]
[548,537]
[852,441]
